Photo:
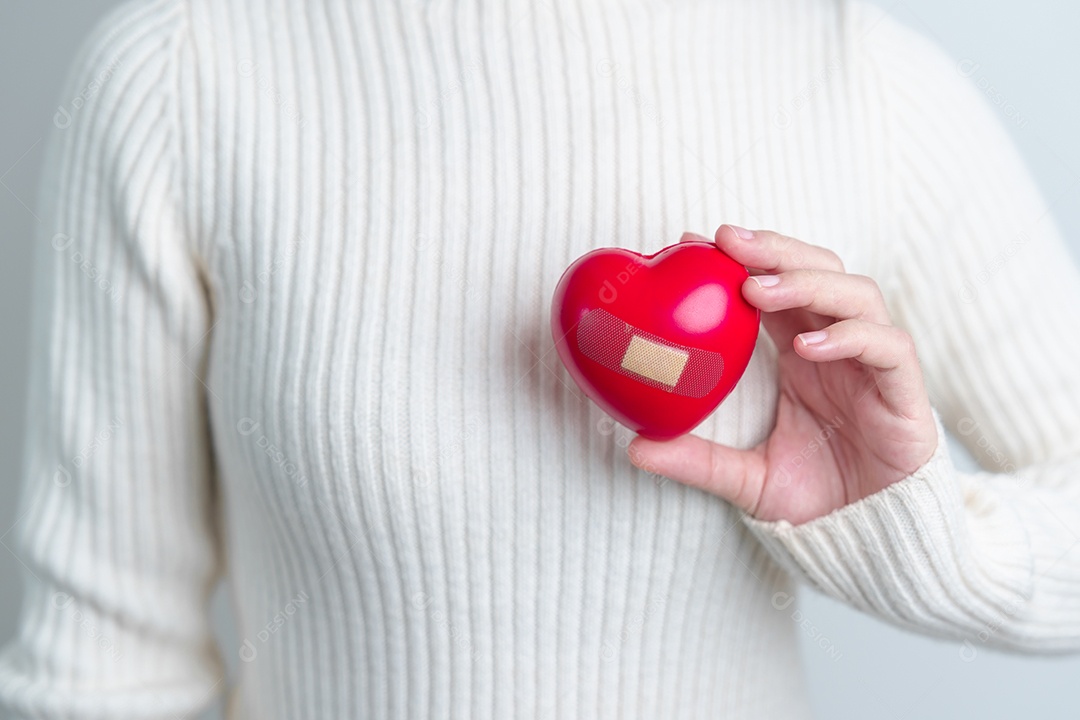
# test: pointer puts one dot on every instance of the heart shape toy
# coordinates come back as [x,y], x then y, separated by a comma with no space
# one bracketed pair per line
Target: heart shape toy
[657,341]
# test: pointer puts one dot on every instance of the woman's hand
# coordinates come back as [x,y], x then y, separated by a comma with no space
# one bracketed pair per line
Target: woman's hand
[853,415]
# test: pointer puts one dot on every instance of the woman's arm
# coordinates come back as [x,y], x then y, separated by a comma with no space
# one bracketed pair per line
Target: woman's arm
[988,290]
[115,529]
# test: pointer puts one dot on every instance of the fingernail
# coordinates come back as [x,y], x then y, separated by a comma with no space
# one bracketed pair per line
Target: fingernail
[766,280]
[742,232]
[813,338]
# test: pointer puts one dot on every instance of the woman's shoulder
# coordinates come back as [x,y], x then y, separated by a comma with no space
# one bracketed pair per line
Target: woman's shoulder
[128,45]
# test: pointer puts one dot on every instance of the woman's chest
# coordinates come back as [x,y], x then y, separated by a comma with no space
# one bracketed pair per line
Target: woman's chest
[383,280]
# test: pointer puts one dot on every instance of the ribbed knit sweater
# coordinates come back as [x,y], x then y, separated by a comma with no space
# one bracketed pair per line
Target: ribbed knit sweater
[291,328]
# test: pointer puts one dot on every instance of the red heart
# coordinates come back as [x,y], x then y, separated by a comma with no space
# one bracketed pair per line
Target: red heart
[657,341]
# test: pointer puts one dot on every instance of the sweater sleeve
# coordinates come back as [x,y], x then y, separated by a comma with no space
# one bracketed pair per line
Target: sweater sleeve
[115,529]
[986,286]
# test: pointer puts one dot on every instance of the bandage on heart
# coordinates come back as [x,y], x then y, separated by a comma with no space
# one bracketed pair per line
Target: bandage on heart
[647,358]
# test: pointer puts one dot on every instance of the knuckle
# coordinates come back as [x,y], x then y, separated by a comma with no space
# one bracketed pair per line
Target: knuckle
[806,285]
[786,247]
[871,292]
[869,284]
[878,294]
[833,260]
[717,471]
[837,299]
[905,342]
[716,463]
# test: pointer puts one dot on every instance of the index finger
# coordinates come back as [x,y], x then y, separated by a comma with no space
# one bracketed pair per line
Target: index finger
[772,252]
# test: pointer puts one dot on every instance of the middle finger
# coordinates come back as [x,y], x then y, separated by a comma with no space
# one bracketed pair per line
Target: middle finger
[832,294]
[772,252]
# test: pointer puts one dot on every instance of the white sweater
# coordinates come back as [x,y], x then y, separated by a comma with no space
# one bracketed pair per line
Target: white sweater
[293,281]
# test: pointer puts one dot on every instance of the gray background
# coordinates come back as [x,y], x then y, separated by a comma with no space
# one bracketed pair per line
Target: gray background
[1025,51]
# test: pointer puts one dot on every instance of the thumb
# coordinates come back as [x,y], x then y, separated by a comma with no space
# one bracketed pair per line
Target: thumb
[732,474]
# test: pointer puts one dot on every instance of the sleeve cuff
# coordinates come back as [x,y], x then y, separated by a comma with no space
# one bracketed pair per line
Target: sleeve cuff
[932,549]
